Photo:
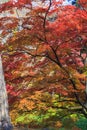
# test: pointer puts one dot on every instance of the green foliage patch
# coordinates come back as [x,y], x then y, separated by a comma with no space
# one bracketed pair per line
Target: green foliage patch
[82,123]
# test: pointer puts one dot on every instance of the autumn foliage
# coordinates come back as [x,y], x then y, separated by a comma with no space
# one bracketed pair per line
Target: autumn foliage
[44,60]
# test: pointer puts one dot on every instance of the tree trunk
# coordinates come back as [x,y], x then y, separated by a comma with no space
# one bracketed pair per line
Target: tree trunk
[3,96]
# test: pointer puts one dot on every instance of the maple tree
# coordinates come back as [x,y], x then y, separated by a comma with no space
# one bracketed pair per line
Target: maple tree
[47,53]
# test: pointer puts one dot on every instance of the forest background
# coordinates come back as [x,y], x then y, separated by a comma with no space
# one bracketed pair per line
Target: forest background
[44,56]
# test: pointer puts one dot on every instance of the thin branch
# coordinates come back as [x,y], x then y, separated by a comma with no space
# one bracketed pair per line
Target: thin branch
[44,23]
[56,56]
